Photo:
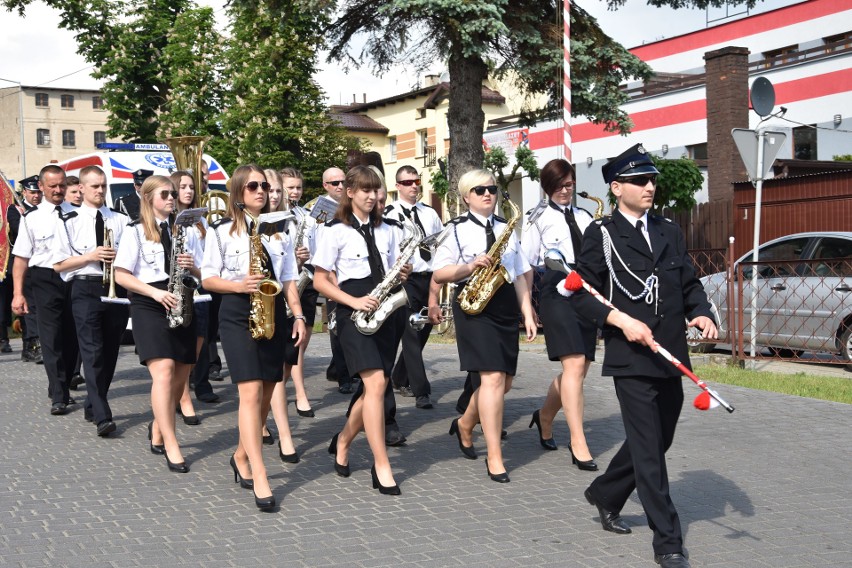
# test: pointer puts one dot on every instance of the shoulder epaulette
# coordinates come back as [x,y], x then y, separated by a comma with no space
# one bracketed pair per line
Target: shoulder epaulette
[457,220]
[332,222]
[119,211]
[134,222]
[388,209]
[498,218]
[223,221]
[27,212]
[67,216]
[392,222]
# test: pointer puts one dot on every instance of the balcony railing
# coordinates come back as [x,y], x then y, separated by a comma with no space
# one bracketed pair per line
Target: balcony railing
[429,157]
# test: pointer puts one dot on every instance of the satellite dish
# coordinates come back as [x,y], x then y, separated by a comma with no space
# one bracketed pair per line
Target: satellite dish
[762,96]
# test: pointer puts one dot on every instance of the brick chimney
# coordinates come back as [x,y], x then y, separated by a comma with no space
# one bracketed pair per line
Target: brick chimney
[727,107]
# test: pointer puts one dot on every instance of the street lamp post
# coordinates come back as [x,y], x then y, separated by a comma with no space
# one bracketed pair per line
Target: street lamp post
[21,122]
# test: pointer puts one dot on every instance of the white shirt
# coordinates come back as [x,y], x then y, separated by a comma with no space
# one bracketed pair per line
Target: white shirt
[634,220]
[342,249]
[467,240]
[38,234]
[227,256]
[77,238]
[145,259]
[552,231]
[400,211]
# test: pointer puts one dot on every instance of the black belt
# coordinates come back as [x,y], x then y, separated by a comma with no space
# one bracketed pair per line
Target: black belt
[41,268]
[421,274]
[89,278]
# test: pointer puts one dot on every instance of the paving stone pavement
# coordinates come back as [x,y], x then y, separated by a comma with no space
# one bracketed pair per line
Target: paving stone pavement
[767,486]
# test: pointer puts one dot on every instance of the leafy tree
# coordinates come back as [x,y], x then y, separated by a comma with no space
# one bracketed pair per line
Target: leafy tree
[497,161]
[677,184]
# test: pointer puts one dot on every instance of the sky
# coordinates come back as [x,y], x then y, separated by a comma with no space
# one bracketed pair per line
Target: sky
[35,52]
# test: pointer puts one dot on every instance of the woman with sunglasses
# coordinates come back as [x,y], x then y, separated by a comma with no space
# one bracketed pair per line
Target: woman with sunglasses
[255,365]
[142,266]
[570,338]
[353,253]
[488,341]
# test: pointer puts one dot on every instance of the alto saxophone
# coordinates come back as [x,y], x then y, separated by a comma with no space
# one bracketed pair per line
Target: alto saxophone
[369,322]
[305,276]
[182,284]
[262,302]
[600,204]
[485,281]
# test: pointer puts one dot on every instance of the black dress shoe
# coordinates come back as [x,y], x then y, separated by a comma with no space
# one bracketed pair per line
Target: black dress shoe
[384,490]
[209,397]
[106,428]
[76,381]
[588,465]
[673,560]
[547,444]
[309,413]
[498,477]
[610,521]
[423,401]
[406,391]
[342,470]
[287,458]
[244,483]
[265,504]
[176,467]
[269,439]
[345,388]
[393,437]
[4,346]
[191,420]
[467,451]
[157,449]
[58,409]
[70,400]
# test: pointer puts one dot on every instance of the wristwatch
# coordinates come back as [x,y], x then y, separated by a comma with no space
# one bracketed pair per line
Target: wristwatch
[300,317]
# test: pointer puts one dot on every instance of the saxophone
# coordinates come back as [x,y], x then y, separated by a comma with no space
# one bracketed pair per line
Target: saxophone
[485,281]
[262,302]
[305,276]
[598,200]
[182,284]
[369,322]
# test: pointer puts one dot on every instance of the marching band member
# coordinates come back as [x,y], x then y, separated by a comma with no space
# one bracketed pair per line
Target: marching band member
[143,267]
[83,256]
[255,364]
[353,253]
[570,339]
[488,341]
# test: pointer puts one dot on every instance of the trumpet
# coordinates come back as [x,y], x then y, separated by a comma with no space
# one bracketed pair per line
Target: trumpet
[419,320]
[109,266]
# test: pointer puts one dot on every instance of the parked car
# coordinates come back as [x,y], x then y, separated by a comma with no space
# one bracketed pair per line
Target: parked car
[804,295]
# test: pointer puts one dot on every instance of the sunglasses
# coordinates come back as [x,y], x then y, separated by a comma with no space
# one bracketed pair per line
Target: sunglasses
[481,189]
[641,181]
[408,182]
[165,193]
[335,183]
[253,185]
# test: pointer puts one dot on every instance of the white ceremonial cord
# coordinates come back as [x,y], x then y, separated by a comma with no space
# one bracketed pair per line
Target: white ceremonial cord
[649,285]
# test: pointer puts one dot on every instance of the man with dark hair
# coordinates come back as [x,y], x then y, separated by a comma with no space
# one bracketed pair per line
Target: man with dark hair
[129,204]
[640,262]
[34,248]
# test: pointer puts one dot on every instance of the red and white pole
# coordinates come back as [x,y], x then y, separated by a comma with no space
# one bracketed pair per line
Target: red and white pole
[566,80]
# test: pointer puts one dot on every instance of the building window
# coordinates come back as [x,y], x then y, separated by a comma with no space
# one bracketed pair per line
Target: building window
[42,99]
[422,142]
[69,139]
[67,101]
[805,142]
[100,137]
[97,102]
[838,42]
[697,151]
[392,148]
[43,137]
[780,56]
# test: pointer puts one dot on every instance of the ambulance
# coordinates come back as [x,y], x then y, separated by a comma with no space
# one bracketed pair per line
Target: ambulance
[120,160]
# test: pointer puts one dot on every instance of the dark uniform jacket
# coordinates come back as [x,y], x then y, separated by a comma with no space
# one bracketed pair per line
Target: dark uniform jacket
[128,204]
[680,296]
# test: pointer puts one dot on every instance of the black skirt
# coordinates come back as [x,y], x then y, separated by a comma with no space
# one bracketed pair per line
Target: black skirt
[249,359]
[309,304]
[363,352]
[152,334]
[488,341]
[565,331]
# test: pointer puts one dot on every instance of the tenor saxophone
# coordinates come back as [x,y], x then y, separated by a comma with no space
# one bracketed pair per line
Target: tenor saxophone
[600,204]
[262,302]
[485,281]
[182,284]
[305,276]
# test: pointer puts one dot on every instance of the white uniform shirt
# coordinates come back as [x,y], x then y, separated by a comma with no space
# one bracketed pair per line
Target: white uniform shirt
[227,256]
[400,211]
[145,259]
[77,238]
[342,249]
[39,234]
[550,231]
[467,240]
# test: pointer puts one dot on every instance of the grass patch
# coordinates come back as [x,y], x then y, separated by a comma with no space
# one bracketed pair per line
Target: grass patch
[835,389]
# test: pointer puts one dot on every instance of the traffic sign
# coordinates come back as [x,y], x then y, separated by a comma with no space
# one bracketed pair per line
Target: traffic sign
[746,141]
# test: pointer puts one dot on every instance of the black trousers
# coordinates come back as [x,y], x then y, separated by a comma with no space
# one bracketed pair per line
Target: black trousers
[650,408]
[99,329]
[30,321]
[56,329]
[409,369]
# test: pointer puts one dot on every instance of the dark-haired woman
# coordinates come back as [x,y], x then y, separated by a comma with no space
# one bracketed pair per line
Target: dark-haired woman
[353,254]
[570,339]
[255,365]
[143,268]
[488,341]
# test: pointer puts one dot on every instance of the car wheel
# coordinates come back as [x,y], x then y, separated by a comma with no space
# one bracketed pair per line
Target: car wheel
[846,346]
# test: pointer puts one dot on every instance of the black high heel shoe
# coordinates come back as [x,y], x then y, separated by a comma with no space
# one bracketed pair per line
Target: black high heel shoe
[269,439]
[265,503]
[309,413]
[238,478]
[287,458]
[155,449]
[498,477]
[467,451]
[342,470]
[189,419]
[177,467]
[589,465]
[389,490]
[548,444]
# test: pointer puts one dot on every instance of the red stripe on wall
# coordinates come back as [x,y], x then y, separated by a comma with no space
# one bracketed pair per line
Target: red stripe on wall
[747,26]
[813,87]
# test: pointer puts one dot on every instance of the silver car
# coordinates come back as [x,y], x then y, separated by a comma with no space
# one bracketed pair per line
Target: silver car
[804,295]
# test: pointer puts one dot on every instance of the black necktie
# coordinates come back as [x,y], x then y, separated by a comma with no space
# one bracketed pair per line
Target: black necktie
[58,210]
[424,254]
[377,269]
[639,225]
[489,236]
[166,241]
[576,235]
